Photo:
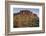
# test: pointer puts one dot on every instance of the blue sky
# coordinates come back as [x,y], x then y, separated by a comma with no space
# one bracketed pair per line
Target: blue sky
[34,10]
[16,10]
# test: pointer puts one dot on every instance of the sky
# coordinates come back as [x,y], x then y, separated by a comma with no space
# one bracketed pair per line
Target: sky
[34,10]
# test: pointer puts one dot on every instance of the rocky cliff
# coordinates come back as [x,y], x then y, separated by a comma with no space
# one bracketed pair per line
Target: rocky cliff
[25,18]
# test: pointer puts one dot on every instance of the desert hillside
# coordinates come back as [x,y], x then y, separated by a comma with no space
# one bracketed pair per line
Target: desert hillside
[25,18]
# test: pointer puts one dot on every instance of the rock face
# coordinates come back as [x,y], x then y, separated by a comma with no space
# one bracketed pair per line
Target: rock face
[25,18]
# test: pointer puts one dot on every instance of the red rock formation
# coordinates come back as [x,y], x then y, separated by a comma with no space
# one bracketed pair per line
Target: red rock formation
[23,18]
